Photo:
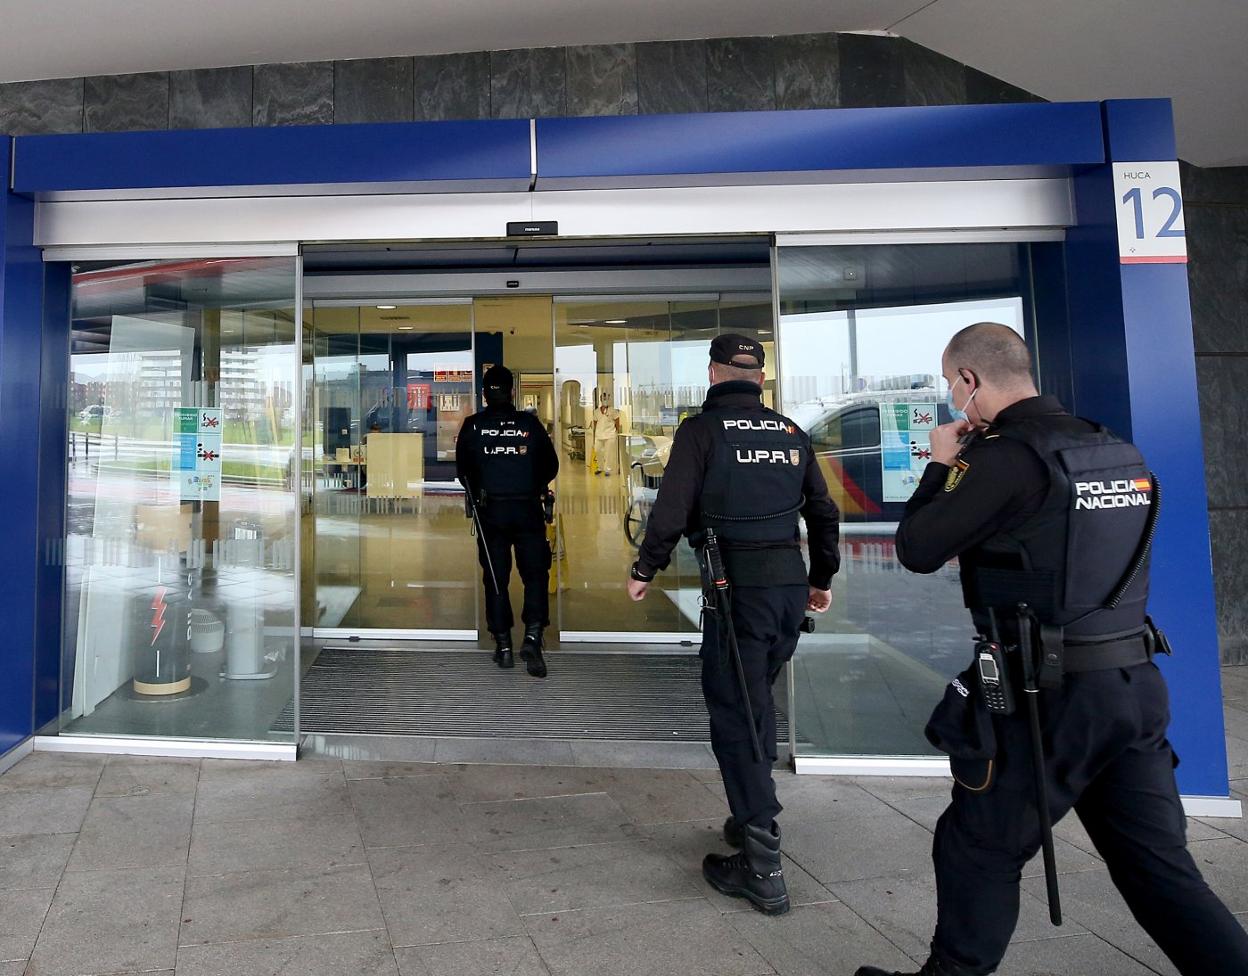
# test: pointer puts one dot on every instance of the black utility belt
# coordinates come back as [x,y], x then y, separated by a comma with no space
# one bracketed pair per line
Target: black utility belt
[1078,658]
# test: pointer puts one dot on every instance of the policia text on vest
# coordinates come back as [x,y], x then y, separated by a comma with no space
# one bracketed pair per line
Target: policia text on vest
[505,460]
[746,475]
[1049,518]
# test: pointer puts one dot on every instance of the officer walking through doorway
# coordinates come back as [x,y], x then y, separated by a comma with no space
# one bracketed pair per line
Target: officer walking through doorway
[506,462]
[738,478]
[1051,520]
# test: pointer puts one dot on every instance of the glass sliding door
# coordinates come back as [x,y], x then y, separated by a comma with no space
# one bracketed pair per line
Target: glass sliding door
[180,588]
[861,334]
[392,385]
[627,372]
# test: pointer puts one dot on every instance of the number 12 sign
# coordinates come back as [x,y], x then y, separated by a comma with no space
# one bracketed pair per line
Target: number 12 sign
[1150,213]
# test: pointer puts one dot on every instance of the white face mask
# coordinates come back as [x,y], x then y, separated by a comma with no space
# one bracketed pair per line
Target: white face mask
[959,413]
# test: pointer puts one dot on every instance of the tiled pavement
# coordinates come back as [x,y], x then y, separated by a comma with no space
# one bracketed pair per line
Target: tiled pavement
[333,868]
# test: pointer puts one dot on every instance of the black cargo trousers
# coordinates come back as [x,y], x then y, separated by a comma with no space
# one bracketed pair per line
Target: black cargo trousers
[767,620]
[1107,758]
[518,524]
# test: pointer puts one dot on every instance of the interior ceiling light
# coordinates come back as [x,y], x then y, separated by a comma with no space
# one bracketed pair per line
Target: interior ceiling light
[387,308]
[406,328]
[617,321]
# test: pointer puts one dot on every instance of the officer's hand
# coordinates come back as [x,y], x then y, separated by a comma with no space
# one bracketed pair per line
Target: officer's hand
[819,600]
[637,590]
[946,440]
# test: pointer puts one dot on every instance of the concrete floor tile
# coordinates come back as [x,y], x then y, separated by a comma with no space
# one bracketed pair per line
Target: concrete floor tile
[270,794]
[1229,826]
[260,845]
[129,831]
[676,938]
[381,769]
[442,894]
[686,844]
[884,846]
[111,922]
[278,904]
[1235,683]
[339,954]
[818,940]
[824,798]
[708,775]
[557,821]
[408,811]
[53,770]
[369,748]
[1090,900]
[242,769]
[923,810]
[905,912]
[644,755]
[1236,720]
[496,957]
[1224,864]
[597,876]
[504,751]
[54,811]
[661,796]
[33,860]
[889,788]
[1237,757]
[21,917]
[479,783]
[1077,954]
[139,776]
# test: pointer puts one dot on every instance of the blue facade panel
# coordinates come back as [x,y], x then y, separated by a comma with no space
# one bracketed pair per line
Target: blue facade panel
[21,287]
[939,137]
[1140,130]
[425,152]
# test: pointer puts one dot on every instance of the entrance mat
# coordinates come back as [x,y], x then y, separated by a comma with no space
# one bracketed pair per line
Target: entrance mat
[623,697]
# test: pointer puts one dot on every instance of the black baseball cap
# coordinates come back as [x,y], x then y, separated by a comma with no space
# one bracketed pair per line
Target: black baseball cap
[498,379]
[727,348]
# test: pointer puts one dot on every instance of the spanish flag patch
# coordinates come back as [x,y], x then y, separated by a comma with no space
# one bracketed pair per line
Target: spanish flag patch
[956,473]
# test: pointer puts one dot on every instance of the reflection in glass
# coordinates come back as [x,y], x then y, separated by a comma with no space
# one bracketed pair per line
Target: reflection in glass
[180,558]
[646,360]
[862,330]
[392,385]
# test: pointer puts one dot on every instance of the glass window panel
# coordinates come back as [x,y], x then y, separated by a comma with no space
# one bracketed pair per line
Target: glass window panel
[862,330]
[180,578]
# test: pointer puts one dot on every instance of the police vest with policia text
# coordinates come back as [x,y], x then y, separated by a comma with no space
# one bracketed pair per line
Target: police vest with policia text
[1065,560]
[752,489]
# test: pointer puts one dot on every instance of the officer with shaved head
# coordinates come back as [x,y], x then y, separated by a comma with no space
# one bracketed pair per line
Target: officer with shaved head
[1051,519]
[737,481]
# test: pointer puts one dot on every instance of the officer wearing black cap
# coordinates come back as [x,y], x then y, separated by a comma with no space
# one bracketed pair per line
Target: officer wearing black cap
[505,461]
[738,477]
[1050,518]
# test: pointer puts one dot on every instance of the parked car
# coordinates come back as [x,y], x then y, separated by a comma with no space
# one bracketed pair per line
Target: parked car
[96,412]
[848,438]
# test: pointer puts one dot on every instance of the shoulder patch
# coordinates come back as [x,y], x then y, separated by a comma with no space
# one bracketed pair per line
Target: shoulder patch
[956,473]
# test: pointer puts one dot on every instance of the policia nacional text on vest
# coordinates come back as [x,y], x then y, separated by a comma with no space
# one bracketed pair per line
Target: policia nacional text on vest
[1051,519]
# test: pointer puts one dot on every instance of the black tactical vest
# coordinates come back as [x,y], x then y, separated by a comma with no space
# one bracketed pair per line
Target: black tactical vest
[1070,556]
[752,489]
[504,447]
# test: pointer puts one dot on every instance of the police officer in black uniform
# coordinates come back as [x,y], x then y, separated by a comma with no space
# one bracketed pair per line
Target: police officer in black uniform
[746,473]
[506,462]
[1047,510]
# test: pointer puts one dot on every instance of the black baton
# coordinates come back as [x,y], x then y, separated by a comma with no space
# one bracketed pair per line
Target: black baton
[719,580]
[1031,688]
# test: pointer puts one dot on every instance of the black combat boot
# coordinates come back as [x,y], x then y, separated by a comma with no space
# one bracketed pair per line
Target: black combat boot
[935,966]
[754,873]
[503,656]
[734,837]
[531,651]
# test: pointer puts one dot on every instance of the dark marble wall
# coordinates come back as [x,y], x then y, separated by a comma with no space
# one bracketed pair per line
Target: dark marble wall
[722,75]
[732,74]
[1216,211]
